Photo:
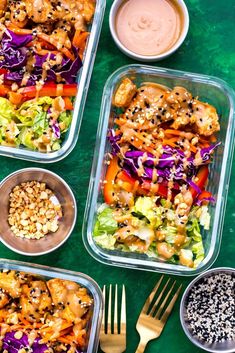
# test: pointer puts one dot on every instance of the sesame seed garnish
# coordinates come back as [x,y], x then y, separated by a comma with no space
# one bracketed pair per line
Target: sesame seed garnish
[210,308]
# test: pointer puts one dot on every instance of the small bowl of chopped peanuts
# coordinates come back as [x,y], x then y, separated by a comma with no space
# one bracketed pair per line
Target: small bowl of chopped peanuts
[207,310]
[38,211]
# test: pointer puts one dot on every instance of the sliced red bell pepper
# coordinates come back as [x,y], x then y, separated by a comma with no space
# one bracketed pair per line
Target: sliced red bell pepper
[51,90]
[145,187]
[110,176]
[205,197]
[200,180]
[3,71]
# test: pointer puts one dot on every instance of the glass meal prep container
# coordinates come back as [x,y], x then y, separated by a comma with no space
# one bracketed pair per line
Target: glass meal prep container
[93,289]
[83,80]
[209,89]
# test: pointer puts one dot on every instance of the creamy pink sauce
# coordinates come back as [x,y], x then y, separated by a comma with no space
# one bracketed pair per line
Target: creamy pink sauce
[148,27]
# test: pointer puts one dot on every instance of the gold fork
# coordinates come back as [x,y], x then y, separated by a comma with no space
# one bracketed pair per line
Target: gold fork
[113,340]
[152,320]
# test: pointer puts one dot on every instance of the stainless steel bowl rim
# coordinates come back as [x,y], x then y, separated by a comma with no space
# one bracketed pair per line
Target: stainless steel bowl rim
[20,171]
[182,306]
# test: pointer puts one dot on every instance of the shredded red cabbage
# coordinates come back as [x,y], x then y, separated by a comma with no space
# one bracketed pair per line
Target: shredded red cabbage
[14,55]
[56,129]
[171,164]
[13,345]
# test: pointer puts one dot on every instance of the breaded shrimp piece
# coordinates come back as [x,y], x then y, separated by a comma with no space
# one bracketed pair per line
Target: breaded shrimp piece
[205,119]
[3,5]
[124,93]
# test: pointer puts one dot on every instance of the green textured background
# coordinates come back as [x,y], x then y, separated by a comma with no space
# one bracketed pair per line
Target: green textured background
[210,49]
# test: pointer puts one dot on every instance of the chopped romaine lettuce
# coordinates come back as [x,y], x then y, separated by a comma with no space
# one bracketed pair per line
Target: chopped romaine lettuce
[198,251]
[105,223]
[65,119]
[106,241]
[147,207]
[205,217]
[7,112]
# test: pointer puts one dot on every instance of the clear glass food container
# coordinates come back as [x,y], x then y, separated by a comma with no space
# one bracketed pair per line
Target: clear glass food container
[82,279]
[83,80]
[209,89]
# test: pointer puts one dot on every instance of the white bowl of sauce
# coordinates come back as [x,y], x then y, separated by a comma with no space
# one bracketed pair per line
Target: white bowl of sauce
[148,30]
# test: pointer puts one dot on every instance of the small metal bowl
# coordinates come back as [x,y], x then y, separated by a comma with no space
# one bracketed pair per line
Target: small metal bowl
[34,247]
[148,58]
[227,346]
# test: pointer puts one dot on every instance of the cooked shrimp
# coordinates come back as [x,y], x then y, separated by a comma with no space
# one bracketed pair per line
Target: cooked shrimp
[85,7]
[9,281]
[39,11]
[3,5]
[124,93]
[35,299]
[165,250]
[4,299]
[18,14]
[205,118]
[70,294]
[183,202]
[60,36]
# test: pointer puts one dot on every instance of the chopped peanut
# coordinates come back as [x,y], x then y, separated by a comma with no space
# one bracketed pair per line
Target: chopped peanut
[32,214]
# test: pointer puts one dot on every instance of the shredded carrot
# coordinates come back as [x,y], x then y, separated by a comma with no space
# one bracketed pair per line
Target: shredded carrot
[213,138]
[120,122]
[188,135]
[170,142]
[15,98]
[25,322]
[19,30]
[52,41]
[79,39]
[68,103]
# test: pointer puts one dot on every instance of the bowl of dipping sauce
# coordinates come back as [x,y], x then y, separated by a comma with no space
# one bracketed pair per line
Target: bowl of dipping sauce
[148,30]
[207,310]
[38,211]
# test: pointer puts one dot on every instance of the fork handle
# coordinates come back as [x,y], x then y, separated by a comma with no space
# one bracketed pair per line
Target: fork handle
[141,347]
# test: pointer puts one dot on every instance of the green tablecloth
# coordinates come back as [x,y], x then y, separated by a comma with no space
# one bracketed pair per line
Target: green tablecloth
[209,49]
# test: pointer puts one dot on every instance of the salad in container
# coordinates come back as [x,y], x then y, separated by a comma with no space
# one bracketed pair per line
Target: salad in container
[47,310]
[42,53]
[157,191]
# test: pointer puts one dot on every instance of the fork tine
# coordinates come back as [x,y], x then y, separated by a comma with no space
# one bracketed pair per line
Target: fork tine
[103,317]
[115,325]
[158,313]
[109,310]
[170,306]
[123,311]
[158,298]
[151,296]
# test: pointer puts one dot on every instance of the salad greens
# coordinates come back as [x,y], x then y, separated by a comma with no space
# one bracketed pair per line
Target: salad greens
[146,216]
[33,124]
[155,186]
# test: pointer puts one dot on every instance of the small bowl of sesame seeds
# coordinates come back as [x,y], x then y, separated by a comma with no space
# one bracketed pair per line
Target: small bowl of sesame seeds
[207,310]
[38,211]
